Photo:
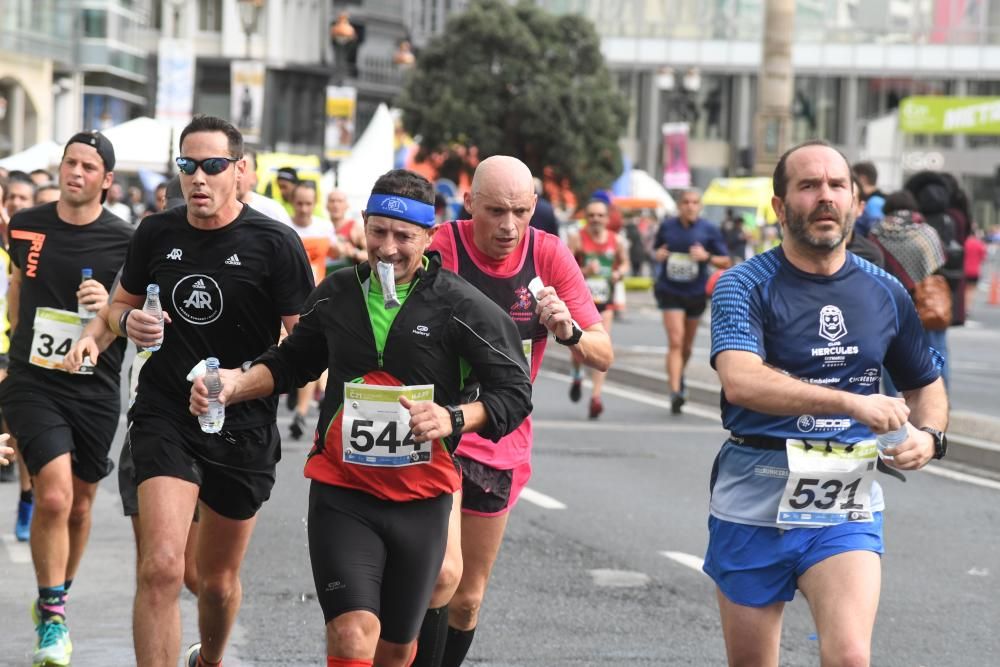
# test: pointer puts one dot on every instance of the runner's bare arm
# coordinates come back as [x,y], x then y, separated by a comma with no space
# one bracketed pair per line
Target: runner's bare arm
[237,387]
[748,382]
[141,328]
[928,407]
[96,338]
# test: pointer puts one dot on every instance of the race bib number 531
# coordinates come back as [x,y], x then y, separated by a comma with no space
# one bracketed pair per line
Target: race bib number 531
[827,485]
[376,429]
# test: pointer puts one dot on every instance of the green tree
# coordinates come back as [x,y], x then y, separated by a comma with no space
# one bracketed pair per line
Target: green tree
[520,81]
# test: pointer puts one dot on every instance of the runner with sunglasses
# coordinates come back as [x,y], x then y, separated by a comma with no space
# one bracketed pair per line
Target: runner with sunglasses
[229,277]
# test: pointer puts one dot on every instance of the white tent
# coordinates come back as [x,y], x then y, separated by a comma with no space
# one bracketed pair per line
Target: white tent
[370,157]
[45,155]
[643,186]
[143,143]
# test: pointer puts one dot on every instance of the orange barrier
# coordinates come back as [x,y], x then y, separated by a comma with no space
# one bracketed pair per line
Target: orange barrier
[994,299]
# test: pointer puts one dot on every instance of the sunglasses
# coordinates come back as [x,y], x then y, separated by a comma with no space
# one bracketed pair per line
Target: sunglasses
[210,165]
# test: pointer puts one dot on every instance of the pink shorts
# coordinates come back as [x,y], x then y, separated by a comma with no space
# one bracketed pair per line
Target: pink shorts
[488,491]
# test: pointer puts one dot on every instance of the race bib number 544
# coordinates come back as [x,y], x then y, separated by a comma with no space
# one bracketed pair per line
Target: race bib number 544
[376,429]
[827,485]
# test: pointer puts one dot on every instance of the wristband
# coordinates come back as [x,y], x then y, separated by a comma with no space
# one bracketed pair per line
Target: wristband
[123,321]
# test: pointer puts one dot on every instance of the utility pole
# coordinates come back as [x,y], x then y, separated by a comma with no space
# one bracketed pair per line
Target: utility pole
[775,84]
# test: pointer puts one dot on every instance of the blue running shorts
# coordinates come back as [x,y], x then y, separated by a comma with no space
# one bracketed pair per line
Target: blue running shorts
[756,566]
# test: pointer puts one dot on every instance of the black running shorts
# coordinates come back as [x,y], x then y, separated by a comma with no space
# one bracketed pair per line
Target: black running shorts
[376,555]
[235,469]
[693,306]
[47,426]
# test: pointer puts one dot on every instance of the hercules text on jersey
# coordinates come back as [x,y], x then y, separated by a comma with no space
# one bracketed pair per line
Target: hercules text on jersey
[837,331]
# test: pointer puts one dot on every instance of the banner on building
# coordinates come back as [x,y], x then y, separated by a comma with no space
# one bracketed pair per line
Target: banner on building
[341,103]
[175,81]
[246,98]
[676,171]
[950,115]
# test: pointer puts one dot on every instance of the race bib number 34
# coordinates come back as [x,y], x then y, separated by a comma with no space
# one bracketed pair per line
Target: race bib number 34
[55,331]
[376,429]
[827,485]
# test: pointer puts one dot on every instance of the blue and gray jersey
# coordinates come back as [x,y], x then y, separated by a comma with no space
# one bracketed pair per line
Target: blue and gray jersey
[837,331]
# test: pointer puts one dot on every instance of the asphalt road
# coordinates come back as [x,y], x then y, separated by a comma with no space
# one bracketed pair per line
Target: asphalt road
[582,578]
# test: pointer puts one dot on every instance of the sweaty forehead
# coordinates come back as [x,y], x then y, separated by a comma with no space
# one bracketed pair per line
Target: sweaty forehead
[205,144]
[83,153]
[814,162]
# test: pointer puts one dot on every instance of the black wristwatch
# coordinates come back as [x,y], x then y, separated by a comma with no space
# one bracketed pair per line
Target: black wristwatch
[940,441]
[574,337]
[457,419]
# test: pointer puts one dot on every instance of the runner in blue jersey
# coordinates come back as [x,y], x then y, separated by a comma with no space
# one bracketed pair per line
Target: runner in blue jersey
[799,337]
[685,247]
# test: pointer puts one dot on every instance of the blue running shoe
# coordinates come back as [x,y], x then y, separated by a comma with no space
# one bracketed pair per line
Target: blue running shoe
[22,529]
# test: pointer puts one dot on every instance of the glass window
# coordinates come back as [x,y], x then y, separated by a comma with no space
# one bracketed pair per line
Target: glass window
[210,15]
[95,23]
[816,109]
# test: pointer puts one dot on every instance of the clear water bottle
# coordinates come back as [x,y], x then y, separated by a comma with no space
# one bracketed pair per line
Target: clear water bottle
[212,421]
[85,315]
[152,306]
[891,439]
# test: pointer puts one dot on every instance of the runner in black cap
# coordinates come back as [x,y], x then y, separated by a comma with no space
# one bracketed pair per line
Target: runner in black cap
[64,423]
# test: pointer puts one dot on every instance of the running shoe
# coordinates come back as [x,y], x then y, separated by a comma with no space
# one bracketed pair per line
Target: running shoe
[576,390]
[53,648]
[676,401]
[298,426]
[193,655]
[596,407]
[22,528]
[36,614]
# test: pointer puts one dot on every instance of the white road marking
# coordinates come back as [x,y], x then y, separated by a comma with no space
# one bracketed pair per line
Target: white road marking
[17,552]
[617,390]
[542,500]
[619,578]
[687,560]
[584,425]
[962,477]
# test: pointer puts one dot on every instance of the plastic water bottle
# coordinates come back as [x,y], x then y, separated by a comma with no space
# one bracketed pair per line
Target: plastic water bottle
[212,421]
[152,306]
[891,439]
[85,315]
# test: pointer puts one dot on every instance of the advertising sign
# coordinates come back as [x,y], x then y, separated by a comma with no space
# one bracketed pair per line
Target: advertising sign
[676,172]
[246,105]
[341,102]
[950,115]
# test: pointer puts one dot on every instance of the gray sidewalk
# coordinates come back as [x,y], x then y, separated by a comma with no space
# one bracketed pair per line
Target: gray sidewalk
[974,437]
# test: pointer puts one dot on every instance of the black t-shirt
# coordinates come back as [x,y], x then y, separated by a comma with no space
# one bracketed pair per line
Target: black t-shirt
[50,254]
[225,290]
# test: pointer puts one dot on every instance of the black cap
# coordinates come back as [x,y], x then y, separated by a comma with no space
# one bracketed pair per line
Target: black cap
[288,174]
[100,143]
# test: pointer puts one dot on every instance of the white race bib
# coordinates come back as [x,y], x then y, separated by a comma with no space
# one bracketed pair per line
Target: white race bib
[600,289]
[526,348]
[827,485]
[681,268]
[55,332]
[376,428]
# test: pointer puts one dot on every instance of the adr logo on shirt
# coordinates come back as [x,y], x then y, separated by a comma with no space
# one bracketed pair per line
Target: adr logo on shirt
[198,299]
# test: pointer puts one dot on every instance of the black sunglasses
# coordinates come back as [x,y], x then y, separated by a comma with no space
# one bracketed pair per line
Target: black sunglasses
[210,165]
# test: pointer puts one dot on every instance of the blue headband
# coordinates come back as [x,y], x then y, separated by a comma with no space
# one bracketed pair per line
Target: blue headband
[401,208]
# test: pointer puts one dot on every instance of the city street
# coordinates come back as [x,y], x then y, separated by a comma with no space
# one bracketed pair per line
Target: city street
[600,566]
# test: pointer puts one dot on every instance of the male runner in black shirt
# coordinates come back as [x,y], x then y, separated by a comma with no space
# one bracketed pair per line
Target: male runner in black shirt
[64,423]
[229,277]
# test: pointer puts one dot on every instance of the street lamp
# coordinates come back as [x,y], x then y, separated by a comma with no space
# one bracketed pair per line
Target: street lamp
[249,14]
